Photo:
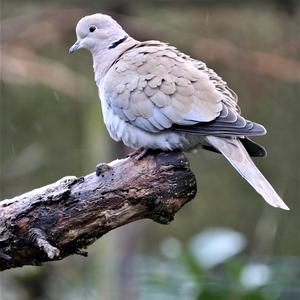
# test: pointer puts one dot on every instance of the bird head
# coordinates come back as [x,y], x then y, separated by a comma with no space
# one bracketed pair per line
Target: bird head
[97,32]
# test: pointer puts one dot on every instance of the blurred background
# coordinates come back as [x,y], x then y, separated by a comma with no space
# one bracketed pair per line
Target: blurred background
[225,244]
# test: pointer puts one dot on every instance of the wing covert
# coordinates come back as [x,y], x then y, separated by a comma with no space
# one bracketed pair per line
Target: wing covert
[153,88]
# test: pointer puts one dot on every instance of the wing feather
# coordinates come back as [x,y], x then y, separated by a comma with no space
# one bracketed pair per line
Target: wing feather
[155,87]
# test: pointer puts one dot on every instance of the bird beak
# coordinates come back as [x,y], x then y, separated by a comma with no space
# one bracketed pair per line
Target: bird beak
[75,47]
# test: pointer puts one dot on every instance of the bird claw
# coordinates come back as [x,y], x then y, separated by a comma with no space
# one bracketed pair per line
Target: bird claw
[138,154]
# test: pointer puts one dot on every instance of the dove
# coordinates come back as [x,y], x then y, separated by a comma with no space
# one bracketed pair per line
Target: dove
[155,97]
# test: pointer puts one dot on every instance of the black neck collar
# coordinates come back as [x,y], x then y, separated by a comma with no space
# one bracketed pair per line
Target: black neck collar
[116,43]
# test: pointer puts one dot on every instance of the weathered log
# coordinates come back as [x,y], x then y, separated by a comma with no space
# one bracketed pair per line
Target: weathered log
[65,217]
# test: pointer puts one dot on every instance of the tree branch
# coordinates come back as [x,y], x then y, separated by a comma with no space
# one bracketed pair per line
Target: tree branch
[62,218]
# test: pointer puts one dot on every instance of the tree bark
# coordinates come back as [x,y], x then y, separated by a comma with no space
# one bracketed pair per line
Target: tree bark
[63,218]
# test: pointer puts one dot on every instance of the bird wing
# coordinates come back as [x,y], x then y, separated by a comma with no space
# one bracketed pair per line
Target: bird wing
[155,87]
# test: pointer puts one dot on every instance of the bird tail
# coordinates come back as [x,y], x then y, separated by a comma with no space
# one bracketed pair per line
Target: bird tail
[234,151]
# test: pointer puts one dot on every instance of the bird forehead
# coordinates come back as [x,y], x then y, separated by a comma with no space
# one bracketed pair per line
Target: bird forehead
[101,21]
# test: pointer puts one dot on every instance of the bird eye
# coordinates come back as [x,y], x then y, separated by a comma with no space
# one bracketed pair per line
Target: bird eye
[92,28]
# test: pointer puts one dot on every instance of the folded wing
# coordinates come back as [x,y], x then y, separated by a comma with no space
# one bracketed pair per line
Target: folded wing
[155,87]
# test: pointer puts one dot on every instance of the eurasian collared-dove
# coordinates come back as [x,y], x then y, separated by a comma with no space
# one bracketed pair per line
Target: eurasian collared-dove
[155,97]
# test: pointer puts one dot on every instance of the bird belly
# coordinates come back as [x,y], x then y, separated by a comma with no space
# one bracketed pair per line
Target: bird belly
[135,137]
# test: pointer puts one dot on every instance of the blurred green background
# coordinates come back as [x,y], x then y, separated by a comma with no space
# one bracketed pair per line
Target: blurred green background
[227,243]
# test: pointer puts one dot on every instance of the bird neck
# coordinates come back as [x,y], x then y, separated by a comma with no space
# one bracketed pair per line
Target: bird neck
[104,58]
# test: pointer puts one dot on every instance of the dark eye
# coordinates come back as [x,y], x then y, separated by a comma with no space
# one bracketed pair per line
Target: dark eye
[92,28]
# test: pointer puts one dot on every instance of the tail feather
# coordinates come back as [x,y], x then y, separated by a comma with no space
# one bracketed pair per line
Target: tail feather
[234,151]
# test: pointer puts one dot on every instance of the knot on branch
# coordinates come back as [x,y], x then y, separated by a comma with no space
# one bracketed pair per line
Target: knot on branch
[38,238]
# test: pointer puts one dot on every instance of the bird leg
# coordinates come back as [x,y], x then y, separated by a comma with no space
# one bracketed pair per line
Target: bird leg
[139,153]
